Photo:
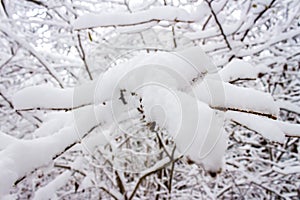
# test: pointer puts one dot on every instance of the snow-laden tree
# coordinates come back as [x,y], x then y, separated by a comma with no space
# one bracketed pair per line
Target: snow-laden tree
[108,100]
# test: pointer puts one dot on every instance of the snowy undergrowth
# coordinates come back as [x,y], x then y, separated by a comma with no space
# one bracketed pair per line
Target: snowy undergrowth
[179,97]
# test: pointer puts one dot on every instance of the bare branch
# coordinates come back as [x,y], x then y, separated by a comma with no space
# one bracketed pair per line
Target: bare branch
[83,57]
[218,23]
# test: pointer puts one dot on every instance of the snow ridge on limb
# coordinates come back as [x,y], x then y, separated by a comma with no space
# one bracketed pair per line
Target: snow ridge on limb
[50,98]
[49,191]
[238,69]
[238,98]
[165,13]
[24,156]
[271,129]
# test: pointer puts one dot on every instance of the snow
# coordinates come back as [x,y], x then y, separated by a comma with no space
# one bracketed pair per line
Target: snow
[288,170]
[14,160]
[196,128]
[182,92]
[51,126]
[211,32]
[45,96]
[136,28]
[239,69]
[166,13]
[265,126]
[174,107]
[48,191]
[288,106]
[6,140]
[289,129]
[231,96]
[175,70]
[96,139]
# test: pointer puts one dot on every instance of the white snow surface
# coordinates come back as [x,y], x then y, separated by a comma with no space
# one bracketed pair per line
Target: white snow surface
[49,191]
[6,140]
[179,92]
[220,94]
[265,126]
[239,69]
[288,106]
[23,156]
[166,13]
[45,96]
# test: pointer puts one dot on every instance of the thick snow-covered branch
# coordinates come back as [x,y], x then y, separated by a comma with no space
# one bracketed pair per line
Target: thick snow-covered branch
[49,98]
[156,14]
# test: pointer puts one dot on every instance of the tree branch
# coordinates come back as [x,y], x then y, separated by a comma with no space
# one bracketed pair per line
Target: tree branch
[218,23]
[83,57]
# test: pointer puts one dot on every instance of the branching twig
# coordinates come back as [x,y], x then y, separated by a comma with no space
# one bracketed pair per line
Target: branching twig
[150,173]
[83,57]
[218,23]
[18,113]
[257,18]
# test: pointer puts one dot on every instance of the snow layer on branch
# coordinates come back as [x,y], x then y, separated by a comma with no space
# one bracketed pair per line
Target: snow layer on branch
[53,123]
[288,106]
[289,129]
[175,70]
[240,98]
[166,13]
[136,28]
[239,69]
[43,96]
[177,90]
[47,97]
[49,191]
[24,156]
[196,128]
[265,126]
[6,140]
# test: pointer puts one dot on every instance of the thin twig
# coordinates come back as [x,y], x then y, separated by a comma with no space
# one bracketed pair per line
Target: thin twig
[174,37]
[150,173]
[83,57]
[246,111]
[172,171]
[257,18]
[218,23]
[54,109]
